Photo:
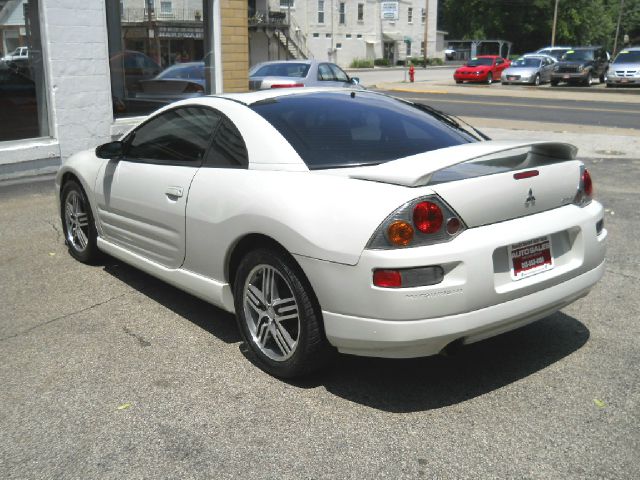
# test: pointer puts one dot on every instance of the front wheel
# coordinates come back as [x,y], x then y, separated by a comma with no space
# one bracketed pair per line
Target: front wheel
[77,223]
[278,316]
[589,80]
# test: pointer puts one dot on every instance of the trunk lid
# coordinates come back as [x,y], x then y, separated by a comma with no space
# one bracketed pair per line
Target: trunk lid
[478,180]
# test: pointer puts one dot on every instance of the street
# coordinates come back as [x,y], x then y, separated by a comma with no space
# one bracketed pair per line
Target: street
[110,373]
[542,110]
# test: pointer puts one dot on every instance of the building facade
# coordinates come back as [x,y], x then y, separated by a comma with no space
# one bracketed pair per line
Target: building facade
[83,82]
[342,31]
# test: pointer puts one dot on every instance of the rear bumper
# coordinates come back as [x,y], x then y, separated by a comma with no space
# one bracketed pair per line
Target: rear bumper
[393,339]
[476,299]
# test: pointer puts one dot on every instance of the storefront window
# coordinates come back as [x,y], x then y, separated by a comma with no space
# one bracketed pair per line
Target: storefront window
[157,53]
[23,105]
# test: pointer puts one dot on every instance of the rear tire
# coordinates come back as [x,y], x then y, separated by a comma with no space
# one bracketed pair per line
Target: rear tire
[536,81]
[490,78]
[78,225]
[554,83]
[458,81]
[278,315]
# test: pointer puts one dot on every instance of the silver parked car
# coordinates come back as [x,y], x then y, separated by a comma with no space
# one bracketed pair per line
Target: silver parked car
[529,69]
[625,69]
[556,51]
[298,73]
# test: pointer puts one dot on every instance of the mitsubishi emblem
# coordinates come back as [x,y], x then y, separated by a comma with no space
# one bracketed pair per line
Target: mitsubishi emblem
[531,200]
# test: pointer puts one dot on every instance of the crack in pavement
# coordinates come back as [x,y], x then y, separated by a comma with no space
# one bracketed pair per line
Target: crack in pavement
[625,275]
[62,317]
[55,228]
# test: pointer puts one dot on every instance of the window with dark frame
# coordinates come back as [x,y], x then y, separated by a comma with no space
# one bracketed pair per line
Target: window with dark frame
[24,113]
[410,15]
[342,19]
[320,11]
[361,12]
[152,44]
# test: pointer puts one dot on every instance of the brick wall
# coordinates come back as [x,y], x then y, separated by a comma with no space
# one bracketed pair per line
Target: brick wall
[235,45]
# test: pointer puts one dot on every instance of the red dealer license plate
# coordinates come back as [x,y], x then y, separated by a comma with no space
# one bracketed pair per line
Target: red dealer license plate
[530,257]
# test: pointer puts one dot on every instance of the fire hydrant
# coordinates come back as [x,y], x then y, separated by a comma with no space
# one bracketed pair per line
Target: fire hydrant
[412,74]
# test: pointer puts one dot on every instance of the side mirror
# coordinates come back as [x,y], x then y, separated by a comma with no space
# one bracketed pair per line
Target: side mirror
[110,150]
[355,80]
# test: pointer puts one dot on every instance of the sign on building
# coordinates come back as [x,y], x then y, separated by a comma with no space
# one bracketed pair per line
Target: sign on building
[389,10]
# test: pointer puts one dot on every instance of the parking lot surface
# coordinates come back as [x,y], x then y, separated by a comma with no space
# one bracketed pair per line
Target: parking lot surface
[109,373]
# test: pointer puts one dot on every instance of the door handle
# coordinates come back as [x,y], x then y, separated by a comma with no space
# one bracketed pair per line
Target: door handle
[174,192]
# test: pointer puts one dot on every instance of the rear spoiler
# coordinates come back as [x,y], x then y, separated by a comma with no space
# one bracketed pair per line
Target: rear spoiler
[416,170]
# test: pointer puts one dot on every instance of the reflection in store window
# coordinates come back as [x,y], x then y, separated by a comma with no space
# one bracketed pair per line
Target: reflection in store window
[156,53]
[23,105]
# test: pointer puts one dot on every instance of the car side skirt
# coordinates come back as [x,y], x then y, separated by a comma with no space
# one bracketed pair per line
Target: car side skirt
[205,288]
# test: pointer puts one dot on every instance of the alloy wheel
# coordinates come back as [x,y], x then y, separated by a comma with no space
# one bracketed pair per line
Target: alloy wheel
[271,312]
[77,221]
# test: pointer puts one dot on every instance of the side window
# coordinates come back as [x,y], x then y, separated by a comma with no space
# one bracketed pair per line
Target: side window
[499,61]
[338,73]
[179,136]
[324,72]
[228,149]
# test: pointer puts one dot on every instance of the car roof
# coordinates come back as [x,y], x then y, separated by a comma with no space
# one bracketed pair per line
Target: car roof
[592,47]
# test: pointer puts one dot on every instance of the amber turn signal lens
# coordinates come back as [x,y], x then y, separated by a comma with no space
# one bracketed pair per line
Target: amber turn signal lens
[400,233]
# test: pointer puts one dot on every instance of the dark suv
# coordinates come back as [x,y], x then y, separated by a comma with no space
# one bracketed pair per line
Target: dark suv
[581,65]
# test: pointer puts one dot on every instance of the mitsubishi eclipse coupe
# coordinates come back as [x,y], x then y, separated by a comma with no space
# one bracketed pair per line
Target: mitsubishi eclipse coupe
[335,220]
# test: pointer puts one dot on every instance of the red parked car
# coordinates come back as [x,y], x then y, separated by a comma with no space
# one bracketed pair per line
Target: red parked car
[485,68]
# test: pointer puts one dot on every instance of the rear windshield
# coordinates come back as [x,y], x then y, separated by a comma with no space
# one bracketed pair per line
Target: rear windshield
[183,72]
[628,56]
[297,70]
[474,62]
[527,62]
[341,129]
[578,55]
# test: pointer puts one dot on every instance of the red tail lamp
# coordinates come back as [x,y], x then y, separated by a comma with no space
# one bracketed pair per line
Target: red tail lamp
[427,217]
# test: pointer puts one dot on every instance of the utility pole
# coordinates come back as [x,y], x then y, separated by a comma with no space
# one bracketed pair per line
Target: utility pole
[615,42]
[555,20]
[426,30]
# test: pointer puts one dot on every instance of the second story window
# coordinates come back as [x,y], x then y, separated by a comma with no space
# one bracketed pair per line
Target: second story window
[361,12]
[342,20]
[166,8]
[410,15]
[286,3]
[424,15]
[320,11]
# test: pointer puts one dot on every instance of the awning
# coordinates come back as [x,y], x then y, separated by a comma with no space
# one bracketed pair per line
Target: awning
[393,37]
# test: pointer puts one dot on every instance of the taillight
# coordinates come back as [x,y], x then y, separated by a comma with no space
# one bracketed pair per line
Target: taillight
[427,217]
[587,184]
[408,277]
[400,233]
[387,278]
[422,221]
[194,88]
[585,188]
[287,85]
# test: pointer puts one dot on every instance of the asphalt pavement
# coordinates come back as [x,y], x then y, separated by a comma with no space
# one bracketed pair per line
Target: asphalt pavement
[109,373]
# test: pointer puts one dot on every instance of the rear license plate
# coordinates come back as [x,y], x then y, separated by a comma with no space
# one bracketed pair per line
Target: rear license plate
[530,257]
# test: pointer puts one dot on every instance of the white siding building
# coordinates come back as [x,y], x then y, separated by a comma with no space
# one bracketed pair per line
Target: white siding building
[341,31]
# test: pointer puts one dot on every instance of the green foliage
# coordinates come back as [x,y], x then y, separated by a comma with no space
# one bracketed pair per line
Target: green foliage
[528,23]
[361,63]
[381,62]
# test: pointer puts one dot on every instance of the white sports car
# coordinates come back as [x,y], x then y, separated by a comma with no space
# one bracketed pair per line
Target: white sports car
[330,219]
